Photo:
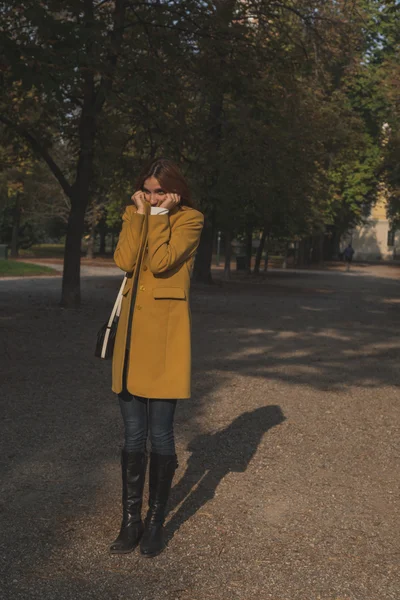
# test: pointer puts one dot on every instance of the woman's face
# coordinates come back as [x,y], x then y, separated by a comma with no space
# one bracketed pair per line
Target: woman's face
[153,191]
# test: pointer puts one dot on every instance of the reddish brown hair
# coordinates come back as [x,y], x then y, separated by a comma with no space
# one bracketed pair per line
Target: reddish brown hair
[170,177]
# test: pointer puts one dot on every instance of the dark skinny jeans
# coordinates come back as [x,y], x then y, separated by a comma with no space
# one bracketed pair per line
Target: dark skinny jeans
[140,415]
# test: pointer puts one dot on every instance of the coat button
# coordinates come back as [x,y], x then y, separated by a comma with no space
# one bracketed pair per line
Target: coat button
[142,288]
[144,268]
[139,307]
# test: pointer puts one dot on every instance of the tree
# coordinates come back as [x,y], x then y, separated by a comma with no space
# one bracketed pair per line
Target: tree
[246,96]
[59,70]
[265,91]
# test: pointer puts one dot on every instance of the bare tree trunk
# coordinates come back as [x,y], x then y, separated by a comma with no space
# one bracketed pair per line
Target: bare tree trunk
[71,294]
[260,249]
[249,248]
[266,257]
[228,254]
[14,252]
[202,265]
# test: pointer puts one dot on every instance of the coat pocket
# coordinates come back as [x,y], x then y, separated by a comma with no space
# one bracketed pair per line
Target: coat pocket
[167,293]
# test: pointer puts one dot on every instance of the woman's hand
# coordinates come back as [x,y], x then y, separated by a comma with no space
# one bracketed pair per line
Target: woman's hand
[139,200]
[170,201]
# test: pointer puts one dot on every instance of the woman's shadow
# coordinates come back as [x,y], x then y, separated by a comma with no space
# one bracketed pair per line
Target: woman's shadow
[214,455]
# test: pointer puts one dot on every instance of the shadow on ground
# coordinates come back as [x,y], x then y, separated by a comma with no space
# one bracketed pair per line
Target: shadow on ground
[61,429]
[322,332]
[215,455]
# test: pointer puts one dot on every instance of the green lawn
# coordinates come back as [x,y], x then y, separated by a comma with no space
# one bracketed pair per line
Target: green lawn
[43,251]
[9,268]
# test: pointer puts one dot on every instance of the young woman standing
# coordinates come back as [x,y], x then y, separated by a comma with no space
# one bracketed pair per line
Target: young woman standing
[151,367]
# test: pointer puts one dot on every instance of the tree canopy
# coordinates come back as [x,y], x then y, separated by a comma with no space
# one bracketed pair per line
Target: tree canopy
[283,115]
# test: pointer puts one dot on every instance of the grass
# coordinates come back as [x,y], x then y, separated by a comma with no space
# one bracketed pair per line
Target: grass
[53,251]
[43,251]
[13,268]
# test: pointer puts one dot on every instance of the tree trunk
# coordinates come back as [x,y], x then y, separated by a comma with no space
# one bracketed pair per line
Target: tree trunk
[14,253]
[321,249]
[336,245]
[71,291]
[260,250]
[202,264]
[103,233]
[300,255]
[228,254]
[80,197]
[90,244]
[92,237]
[285,257]
[266,257]
[93,103]
[92,106]
[71,294]
[249,248]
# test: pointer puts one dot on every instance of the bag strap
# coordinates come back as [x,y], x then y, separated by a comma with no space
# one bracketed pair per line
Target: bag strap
[115,312]
[118,303]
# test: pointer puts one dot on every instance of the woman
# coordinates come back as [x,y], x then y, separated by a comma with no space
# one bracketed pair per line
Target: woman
[151,361]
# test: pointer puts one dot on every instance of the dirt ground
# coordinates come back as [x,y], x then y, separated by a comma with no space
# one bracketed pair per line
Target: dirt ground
[288,483]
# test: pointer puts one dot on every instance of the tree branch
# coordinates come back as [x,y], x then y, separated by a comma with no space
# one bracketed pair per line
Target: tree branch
[41,151]
[116,37]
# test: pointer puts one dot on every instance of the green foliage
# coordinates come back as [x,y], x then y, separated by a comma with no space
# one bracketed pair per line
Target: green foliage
[273,110]
[378,96]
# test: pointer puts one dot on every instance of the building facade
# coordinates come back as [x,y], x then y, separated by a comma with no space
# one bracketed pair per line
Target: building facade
[375,239]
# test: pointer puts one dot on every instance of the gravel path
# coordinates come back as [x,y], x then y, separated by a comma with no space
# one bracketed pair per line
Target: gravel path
[288,482]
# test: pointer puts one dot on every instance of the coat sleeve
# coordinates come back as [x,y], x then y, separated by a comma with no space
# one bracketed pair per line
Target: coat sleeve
[168,248]
[127,249]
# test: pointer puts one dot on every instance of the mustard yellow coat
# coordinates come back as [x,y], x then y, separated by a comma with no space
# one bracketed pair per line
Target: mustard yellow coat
[157,251]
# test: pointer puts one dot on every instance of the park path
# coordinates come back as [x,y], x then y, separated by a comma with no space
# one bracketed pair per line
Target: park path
[86,270]
[288,482]
[107,268]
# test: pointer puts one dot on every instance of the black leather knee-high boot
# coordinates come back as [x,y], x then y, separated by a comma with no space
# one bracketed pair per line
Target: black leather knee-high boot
[133,476]
[162,469]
